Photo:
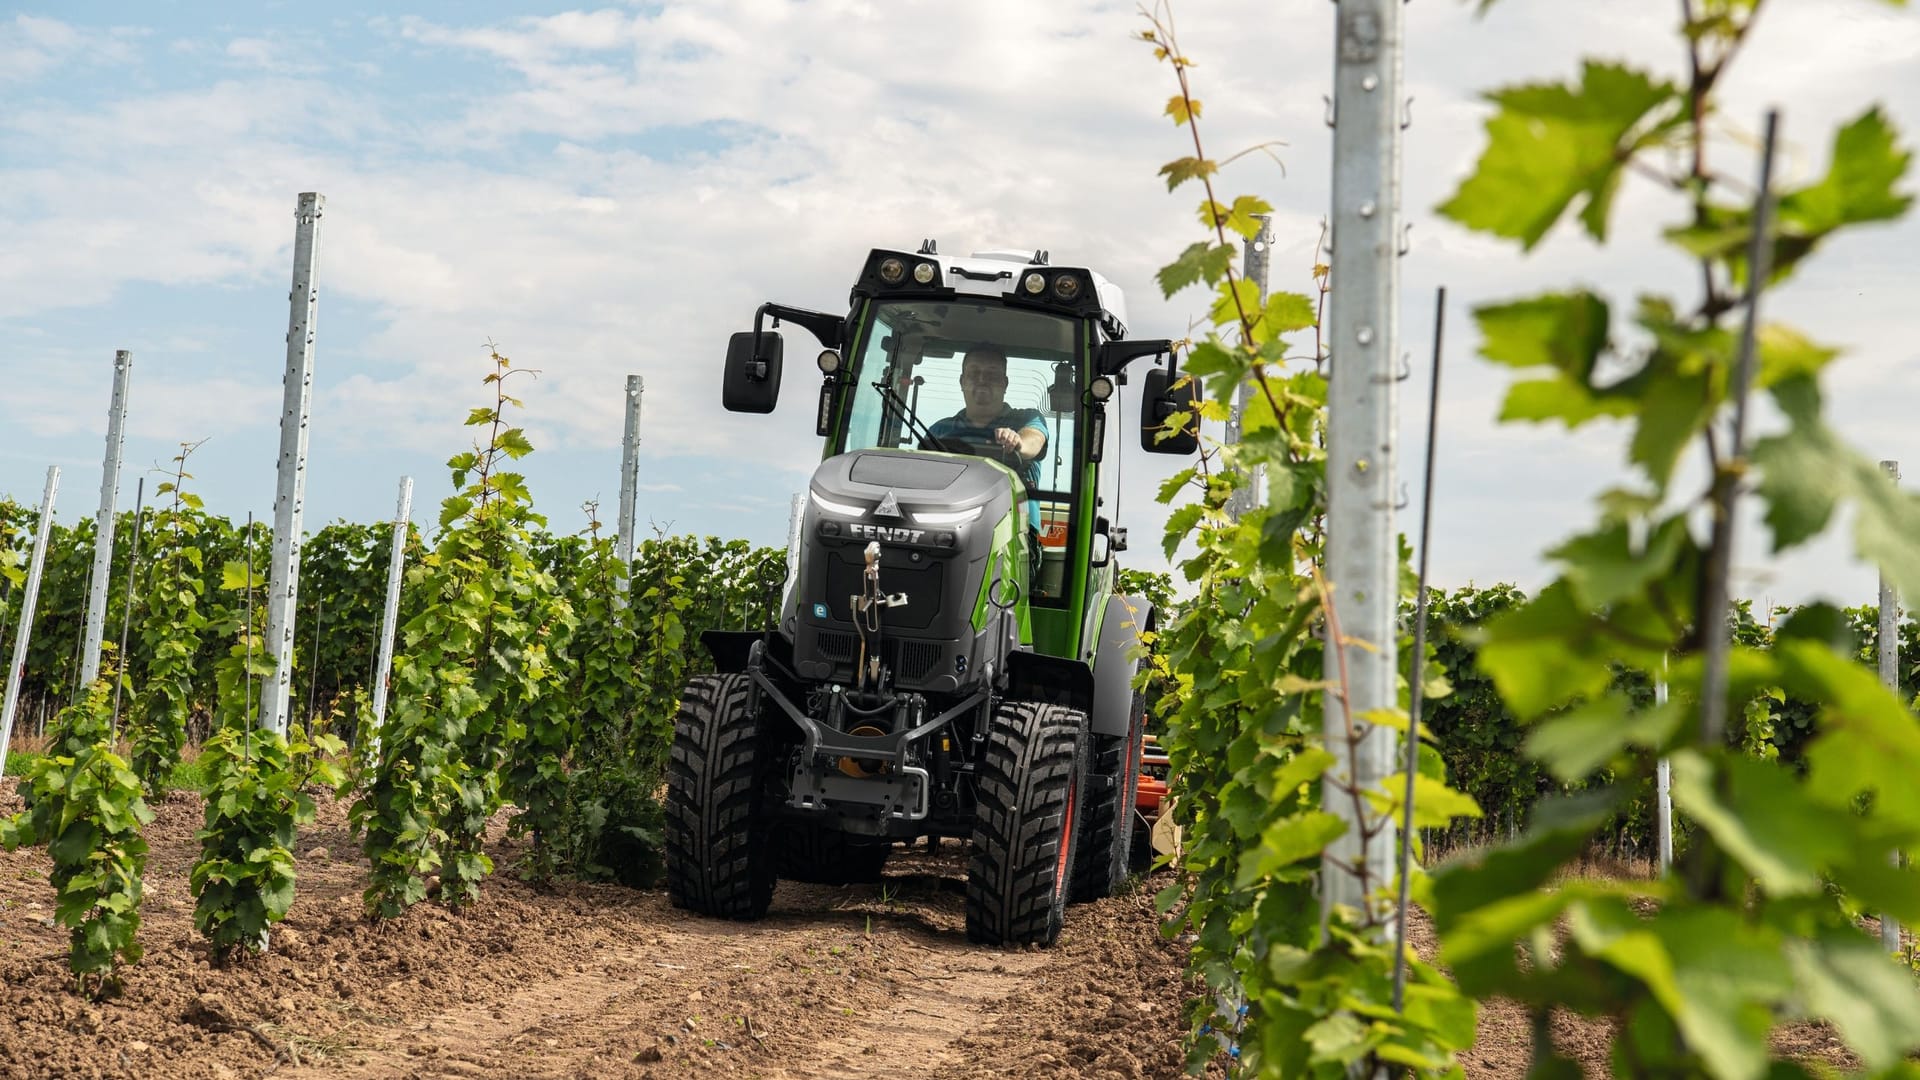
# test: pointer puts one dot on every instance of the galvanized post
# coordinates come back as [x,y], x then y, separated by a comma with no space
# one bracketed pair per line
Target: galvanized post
[1889,651]
[103,522]
[1362,550]
[1663,788]
[18,668]
[629,486]
[1254,263]
[296,391]
[390,614]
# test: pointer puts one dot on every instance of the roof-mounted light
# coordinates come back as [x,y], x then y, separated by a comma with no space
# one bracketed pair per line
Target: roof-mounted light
[893,271]
[1067,287]
[923,273]
[1035,283]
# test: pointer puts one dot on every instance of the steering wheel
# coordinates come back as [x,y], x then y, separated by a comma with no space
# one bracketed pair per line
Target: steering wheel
[986,448]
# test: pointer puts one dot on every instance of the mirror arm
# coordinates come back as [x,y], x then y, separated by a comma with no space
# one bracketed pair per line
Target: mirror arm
[1116,355]
[827,329]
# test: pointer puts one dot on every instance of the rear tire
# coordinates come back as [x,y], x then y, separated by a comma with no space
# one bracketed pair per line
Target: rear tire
[820,855]
[1105,855]
[719,861]
[1028,788]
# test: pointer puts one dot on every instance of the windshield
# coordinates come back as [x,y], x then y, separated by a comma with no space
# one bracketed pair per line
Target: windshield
[932,367]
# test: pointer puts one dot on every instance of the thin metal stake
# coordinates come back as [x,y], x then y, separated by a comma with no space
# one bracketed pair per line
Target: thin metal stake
[133,577]
[1415,695]
[18,668]
[1713,682]
[1255,254]
[1663,784]
[313,665]
[102,579]
[1888,648]
[396,562]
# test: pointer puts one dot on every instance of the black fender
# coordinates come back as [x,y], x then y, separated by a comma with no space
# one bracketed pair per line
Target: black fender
[1058,680]
[1114,660]
[729,647]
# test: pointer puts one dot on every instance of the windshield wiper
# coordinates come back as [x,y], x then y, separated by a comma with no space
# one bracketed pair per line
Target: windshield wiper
[926,436]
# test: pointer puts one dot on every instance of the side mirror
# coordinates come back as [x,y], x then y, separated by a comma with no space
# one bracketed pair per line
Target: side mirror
[1116,355]
[1161,399]
[1102,552]
[751,382]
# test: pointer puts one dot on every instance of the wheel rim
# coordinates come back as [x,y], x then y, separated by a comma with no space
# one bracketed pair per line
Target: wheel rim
[1066,839]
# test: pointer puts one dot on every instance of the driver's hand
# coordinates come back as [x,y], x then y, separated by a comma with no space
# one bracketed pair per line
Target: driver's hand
[1008,439]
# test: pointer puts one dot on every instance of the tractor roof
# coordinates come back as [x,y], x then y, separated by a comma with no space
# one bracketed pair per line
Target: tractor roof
[998,274]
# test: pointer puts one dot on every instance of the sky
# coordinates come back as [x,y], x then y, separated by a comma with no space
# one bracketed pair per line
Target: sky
[614,190]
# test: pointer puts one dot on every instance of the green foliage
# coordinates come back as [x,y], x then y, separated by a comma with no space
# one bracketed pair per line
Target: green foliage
[85,805]
[1242,664]
[1757,926]
[170,630]
[243,881]
[476,658]
[251,784]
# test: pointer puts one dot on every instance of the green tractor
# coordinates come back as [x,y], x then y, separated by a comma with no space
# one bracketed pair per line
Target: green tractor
[951,659]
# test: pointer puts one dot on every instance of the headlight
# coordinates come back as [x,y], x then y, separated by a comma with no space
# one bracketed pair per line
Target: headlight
[1100,389]
[923,273]
[946,517]
[829,361]
[1035,283]
[836,507]
[893,271]
[1066,287]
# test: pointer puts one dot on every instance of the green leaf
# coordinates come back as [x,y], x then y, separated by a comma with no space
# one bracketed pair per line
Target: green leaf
[1763,821]
[1287,312]
[1549,145]
[480,416]
[1859,185]
[1573,745]
[1807,473]
[1203,261]
[514,443]
[1846,979]
[1181,170]
[1567,331]
[1288,841]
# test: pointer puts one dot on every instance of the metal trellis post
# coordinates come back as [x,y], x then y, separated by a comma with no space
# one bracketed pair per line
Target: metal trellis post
[1889,653]
[103,522]
[629,485]
[1663,789]
[18,668]
[297,387]
[396,562]
[1362,551]
[1256,252]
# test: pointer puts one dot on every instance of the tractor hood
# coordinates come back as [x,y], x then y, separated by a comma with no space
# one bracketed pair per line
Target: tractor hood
[892,495]
[939,520]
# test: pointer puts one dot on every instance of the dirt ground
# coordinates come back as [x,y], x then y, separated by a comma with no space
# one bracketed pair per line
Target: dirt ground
[599,981]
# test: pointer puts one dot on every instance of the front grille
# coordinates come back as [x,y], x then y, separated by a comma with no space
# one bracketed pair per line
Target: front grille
[834,646]
[918,659]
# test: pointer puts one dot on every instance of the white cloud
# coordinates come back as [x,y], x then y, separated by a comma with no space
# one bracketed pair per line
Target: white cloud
[616,190]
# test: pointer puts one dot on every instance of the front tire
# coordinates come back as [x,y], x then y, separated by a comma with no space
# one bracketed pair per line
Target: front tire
[719,861]
[1028,787]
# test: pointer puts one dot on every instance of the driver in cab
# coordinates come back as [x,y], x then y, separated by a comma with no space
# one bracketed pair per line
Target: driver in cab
[988,421]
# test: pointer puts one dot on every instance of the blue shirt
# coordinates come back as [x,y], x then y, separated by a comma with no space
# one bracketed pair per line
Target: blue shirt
[960,427]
